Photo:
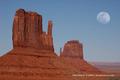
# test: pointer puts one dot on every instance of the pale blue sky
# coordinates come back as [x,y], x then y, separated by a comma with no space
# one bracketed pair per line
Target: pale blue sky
[73,19]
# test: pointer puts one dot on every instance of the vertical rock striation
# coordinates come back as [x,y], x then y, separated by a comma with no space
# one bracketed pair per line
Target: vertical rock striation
[27,31]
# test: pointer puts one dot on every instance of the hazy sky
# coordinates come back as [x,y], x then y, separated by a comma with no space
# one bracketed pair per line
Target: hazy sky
[73,19]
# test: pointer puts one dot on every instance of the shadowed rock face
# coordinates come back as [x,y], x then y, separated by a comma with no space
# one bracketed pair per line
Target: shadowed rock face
[27,31]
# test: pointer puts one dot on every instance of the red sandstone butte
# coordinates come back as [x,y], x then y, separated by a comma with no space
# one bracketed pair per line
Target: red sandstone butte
[33,56]
[73,54]
[27,31]
[73,49]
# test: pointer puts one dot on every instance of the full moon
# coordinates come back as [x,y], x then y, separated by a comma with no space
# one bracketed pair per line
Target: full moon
[103,17]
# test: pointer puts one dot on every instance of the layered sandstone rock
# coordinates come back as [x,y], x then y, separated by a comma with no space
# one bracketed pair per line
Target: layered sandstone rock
[32,64]
[73,54]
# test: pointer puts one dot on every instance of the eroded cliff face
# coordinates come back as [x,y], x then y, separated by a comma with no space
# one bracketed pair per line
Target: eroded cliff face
[27,31]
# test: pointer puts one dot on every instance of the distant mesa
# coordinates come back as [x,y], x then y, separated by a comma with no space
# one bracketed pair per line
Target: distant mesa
[73,49]
[73,54]
[33,56]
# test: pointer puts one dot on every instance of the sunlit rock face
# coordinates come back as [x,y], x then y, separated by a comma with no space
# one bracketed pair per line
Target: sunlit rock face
[73,49]
[27,31]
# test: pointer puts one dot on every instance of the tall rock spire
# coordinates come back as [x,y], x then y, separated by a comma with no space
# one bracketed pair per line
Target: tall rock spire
[50,38]
[50,25]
